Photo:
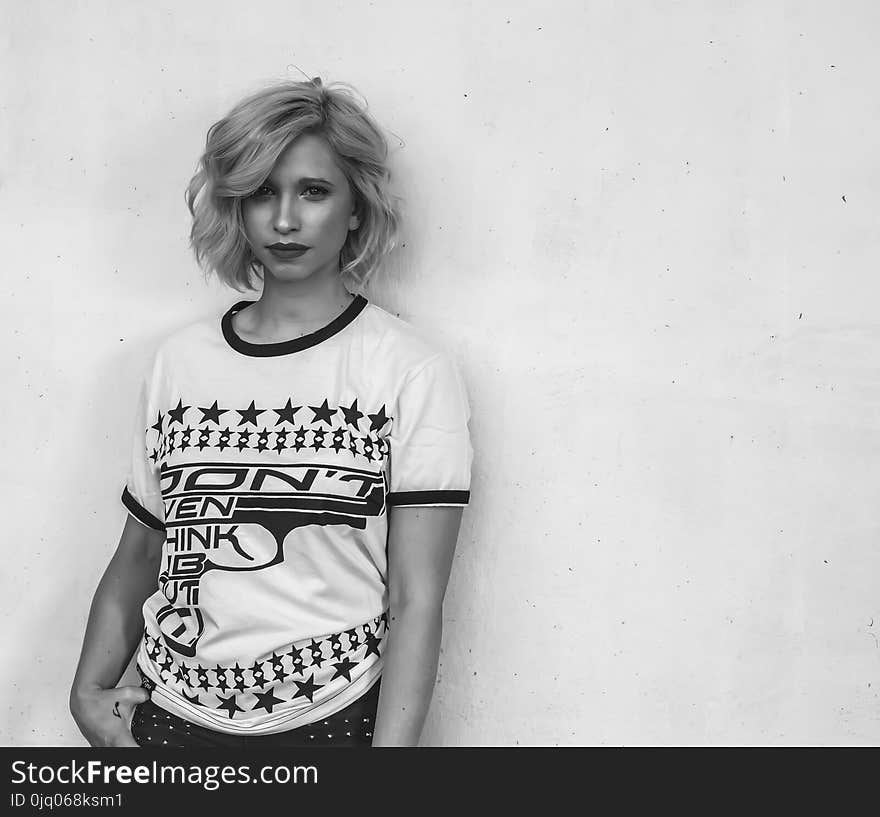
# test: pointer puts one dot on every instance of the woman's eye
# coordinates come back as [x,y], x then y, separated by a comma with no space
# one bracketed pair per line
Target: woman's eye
[259,192]
[319,191]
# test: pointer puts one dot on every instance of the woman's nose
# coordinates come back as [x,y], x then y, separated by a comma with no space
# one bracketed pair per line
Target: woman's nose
[286,216]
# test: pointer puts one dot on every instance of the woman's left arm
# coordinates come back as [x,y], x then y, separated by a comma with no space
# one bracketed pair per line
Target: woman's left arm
[421,544]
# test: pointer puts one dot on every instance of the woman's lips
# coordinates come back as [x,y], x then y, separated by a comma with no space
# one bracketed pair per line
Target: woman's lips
[287,254]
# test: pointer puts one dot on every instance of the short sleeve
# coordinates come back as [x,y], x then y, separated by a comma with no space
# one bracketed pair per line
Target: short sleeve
[141,494]
[430,446]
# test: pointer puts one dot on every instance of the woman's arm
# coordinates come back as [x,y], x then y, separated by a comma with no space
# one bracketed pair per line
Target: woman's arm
[421,543]
[114,628]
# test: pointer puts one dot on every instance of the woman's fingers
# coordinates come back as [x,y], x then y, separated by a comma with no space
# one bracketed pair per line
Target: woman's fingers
[130,695]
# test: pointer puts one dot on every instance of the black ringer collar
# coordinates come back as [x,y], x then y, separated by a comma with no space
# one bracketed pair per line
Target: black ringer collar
[285,347]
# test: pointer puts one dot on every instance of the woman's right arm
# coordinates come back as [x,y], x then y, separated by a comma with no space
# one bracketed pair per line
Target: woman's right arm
[114,629]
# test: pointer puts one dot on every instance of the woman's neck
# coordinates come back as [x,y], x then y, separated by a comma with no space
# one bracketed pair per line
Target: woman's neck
[280,314]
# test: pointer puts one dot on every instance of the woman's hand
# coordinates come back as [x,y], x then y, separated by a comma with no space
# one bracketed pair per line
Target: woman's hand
[103,715]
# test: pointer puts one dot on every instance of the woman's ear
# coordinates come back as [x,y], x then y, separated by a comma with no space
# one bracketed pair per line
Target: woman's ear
[354,222]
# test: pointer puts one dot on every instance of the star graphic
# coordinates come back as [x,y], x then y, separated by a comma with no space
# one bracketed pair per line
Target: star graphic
[184,438]
[176,414]
[221,678]
[378,419]
[354,642]
[299,440]
[212,413]
[238,677]
[307,688]
[223,441]
[263,440]
[317,656]
[267,700]
[298,666]
[244,438]
[372,643]
[338,440]
[257,672]
[323,413]
[343,669]
[280,441]
[193,700]
[295,653]
[230,704]
[286,412]
[158,424]
[352,415]
[318,439]
[352,443]
[249,415]
[204,437]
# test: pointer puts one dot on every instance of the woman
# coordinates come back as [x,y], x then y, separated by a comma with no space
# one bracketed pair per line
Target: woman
[299,468]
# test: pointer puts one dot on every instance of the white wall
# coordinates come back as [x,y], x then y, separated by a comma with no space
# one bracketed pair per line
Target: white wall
[626,219]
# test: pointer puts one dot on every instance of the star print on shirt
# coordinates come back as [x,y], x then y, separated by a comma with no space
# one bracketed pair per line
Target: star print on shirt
[280,441]
[286,412]
[230,704]
[176,414]
[223,440]
[352,415]
[338,440]
[158,424]
[249,415]
[323,413]
[204,437]
[317,655]
[318,439]
[238,677]
[257,672]
[267,700]
[221,678]
[378,419]
[212,413]
[372,644]
[343,669]
[307,688]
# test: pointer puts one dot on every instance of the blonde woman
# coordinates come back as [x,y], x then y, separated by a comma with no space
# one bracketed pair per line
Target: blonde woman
[299,465]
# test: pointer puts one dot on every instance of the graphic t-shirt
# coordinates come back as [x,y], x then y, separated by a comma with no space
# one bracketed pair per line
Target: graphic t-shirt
[271,468]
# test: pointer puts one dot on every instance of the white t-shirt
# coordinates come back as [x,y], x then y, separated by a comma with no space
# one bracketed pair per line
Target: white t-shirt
[271,468]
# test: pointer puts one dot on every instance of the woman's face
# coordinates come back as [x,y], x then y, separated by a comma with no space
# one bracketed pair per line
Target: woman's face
[306,200]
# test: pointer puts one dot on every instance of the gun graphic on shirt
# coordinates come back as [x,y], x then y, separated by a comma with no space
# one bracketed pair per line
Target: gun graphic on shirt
[236,516]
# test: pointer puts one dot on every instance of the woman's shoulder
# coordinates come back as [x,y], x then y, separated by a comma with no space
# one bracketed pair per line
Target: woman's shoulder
[402,340]
[193,337]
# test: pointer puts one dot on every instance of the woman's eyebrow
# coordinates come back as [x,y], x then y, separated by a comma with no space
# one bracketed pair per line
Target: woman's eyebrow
[308,180]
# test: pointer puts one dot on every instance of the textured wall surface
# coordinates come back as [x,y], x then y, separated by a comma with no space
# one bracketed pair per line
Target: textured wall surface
[647,232]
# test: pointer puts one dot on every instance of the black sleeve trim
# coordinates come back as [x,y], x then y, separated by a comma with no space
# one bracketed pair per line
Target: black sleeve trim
[428,498]
[139,512]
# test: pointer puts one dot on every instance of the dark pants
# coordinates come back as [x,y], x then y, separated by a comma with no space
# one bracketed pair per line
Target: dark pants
[350,727]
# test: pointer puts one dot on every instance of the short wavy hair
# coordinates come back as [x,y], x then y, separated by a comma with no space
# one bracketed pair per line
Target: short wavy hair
[240,151]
